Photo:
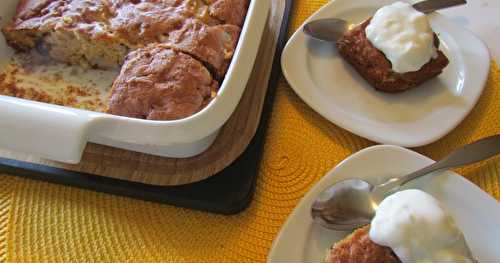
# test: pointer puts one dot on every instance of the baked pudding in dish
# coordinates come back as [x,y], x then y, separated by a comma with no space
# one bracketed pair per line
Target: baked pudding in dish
[159,83]
[394,50]
[409,226]
[194,40]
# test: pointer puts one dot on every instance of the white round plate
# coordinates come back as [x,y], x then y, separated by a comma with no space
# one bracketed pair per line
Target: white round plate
[476,213]
[413,118]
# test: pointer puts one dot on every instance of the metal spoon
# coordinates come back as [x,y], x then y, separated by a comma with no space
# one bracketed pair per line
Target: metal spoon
[352,203]
[331,29]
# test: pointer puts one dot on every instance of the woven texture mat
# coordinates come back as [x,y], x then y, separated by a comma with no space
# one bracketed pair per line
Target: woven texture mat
[51,223]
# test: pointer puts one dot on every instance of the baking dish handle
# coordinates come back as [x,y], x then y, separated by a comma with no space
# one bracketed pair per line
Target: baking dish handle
[51,132]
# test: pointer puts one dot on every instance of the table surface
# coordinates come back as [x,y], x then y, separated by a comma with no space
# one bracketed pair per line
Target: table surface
[45,222]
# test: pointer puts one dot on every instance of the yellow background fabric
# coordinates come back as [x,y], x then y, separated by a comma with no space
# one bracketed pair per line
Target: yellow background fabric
[49,223]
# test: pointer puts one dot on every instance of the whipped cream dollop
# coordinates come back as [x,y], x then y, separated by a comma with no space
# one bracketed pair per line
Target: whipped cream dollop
[404,35]
[417,228]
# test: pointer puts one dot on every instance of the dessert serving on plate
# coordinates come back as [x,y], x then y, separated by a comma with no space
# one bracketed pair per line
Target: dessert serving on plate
[421,115]
[394,50]
[409,226]
[197,40]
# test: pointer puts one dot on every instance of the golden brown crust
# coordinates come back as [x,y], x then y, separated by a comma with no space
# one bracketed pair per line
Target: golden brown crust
[229,11]
[359,248]
[373,66]
[158,83]
[147,22]
[114,27]
[213,45]
[135,22]
[89,17]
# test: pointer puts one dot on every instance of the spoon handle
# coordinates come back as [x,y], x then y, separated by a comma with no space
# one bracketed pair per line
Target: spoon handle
[429,6]
[470,153]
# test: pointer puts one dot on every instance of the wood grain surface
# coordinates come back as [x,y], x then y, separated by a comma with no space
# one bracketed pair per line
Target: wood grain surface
[232,140]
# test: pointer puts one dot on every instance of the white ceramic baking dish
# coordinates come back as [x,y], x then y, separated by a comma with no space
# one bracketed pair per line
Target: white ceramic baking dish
[61,133]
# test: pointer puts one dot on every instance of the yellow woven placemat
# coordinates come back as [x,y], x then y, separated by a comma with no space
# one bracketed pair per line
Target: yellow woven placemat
[51,223]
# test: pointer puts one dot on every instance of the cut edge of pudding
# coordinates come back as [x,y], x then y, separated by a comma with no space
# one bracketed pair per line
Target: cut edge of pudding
[357,247]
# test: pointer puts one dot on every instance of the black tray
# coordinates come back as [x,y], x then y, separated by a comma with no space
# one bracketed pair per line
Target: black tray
[228,192]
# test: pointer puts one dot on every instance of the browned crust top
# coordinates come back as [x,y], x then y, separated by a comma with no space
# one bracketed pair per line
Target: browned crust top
[213,45]
[158,83]
[136,21]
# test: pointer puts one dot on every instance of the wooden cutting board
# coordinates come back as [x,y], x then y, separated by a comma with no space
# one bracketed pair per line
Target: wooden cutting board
[232,140]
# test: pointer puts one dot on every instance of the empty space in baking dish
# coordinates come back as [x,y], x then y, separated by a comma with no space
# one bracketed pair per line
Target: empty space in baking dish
[25,76]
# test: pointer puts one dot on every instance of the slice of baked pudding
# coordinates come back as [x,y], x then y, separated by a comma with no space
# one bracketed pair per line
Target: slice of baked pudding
[159,83]
[400,52]
[213,45]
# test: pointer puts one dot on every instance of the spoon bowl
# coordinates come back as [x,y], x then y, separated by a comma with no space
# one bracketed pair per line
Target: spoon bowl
[332,29]
[328,29]
[348,202]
